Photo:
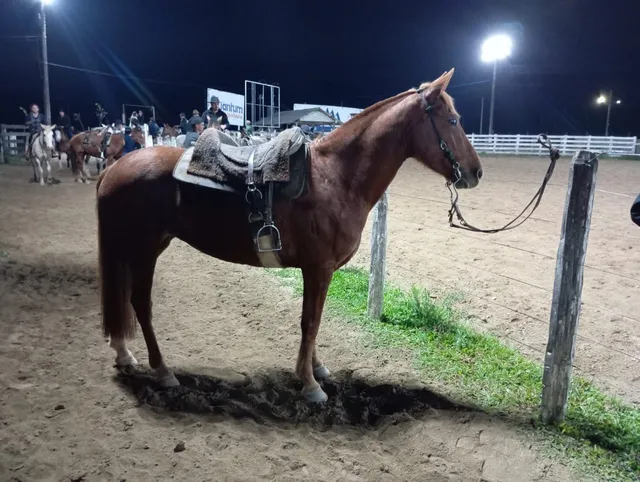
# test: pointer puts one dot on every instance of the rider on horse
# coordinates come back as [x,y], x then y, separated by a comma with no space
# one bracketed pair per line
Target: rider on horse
[33,121]
[196,129]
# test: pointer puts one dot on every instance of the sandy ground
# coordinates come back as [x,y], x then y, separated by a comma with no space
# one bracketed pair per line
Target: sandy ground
[507,279]
[232,334]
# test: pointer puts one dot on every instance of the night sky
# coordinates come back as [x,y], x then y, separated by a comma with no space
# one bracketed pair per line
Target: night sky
[349,52]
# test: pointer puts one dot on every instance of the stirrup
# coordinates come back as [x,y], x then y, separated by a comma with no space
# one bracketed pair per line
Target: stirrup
[268,239]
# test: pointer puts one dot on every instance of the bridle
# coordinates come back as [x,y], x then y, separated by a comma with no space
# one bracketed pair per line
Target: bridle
[554,154]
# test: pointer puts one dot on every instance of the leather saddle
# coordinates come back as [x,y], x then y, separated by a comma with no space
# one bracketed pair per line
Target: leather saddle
[213,163]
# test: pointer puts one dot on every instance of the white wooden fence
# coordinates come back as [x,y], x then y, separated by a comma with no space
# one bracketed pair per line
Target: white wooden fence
[12,141]
[568,145]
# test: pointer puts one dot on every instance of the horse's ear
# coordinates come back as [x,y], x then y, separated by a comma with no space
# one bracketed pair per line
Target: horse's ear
[438,86]
[53,126]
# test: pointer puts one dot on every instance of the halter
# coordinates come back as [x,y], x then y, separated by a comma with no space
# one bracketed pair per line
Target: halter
[455,165]
[554,154]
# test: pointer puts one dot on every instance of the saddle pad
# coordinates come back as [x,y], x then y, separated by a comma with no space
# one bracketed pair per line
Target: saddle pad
[296,187]
[180,172]
[229,164]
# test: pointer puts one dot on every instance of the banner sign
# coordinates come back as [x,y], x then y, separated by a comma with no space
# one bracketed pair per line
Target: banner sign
[343,114]
[230,104]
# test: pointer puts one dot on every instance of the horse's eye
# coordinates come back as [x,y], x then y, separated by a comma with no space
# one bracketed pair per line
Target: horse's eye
[453,122]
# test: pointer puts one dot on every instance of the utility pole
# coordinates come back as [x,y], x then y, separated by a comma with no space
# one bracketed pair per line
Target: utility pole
[606,129]
[493,95]
[481,113]
[45,64]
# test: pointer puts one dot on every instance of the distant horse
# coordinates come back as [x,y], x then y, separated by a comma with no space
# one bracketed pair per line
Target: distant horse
[41,151]
[89,143]
[169,131]
[62,146]
[141,207]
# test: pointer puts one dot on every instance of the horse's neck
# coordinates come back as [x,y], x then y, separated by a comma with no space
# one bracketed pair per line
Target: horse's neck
[371,149]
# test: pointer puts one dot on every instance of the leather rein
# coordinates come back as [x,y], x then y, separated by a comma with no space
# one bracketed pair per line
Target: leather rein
[543,139]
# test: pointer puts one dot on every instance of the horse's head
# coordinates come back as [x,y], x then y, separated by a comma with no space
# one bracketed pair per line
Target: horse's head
[438,139]
[138,135]
[48,135]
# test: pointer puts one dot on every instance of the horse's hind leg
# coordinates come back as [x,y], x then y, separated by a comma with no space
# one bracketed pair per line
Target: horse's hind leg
[124,357]
[142,281]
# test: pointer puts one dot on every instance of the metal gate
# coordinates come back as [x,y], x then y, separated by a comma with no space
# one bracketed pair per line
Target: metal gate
[262,105]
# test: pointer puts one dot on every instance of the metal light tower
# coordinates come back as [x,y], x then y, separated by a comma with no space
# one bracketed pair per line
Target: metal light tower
[494,49]
[45,62]
[603,99]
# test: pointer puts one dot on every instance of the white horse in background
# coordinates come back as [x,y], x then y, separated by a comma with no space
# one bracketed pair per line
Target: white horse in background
[42,146]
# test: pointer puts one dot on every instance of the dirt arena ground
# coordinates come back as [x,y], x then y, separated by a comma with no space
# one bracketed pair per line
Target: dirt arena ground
[232,334]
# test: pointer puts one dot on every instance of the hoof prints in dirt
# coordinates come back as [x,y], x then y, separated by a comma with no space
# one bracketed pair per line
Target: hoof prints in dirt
[276,397]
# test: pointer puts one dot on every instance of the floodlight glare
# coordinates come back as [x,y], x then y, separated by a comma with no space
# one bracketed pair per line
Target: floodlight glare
[47,2]
[618,101]
[601,100]
[496,48]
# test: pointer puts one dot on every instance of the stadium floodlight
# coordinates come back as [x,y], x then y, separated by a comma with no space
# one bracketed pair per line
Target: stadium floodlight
[495,48]
[607,100]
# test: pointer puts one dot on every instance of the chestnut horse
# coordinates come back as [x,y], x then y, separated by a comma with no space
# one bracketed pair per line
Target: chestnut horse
[141,208]
[79,152]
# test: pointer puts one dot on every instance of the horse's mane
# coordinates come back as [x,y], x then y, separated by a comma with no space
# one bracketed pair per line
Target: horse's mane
[354,125]
[448,100]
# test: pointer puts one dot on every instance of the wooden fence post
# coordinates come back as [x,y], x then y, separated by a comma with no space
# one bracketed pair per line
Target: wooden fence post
[3,140]
[567,288]
[378,258]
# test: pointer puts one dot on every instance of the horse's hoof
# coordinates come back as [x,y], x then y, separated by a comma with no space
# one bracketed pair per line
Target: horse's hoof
[169,381]
[321,372]
[126,361]
[317,396]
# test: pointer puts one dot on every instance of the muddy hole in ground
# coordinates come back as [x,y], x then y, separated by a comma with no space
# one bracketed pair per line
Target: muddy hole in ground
[275,397]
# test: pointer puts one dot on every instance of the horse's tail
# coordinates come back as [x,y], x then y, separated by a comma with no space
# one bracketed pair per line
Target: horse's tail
[73,160]
[115,274]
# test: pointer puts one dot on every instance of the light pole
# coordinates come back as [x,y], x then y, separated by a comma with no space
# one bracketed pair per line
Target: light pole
[603,99]
[494,49]
[45,62]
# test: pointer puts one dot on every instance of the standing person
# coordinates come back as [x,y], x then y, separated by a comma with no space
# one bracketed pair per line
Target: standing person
[196,129]
[33,120]
[129,143]
[133,120]
[635,211]
[154,129]
[184,123]
[64,123]
[214,116]
[141,117]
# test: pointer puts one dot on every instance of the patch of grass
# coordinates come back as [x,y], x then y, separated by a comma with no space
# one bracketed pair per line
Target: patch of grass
[600,432]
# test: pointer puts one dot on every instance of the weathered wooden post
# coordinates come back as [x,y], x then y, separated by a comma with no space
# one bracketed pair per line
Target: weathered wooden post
[567,289]
[3,141]
[378,258]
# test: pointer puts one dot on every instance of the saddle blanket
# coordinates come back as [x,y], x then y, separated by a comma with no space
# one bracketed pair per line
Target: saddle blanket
[229,164]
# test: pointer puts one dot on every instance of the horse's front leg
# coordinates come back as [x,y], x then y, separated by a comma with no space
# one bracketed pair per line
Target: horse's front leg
[35,172]
[309,366]
[48,166]
[39,166]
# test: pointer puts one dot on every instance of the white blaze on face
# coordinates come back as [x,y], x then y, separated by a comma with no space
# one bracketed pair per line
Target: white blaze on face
[48,136]
[58,136]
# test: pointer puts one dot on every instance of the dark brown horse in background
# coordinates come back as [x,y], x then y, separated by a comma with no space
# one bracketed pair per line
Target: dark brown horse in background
[139,213]
[79,150]
[169,131]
